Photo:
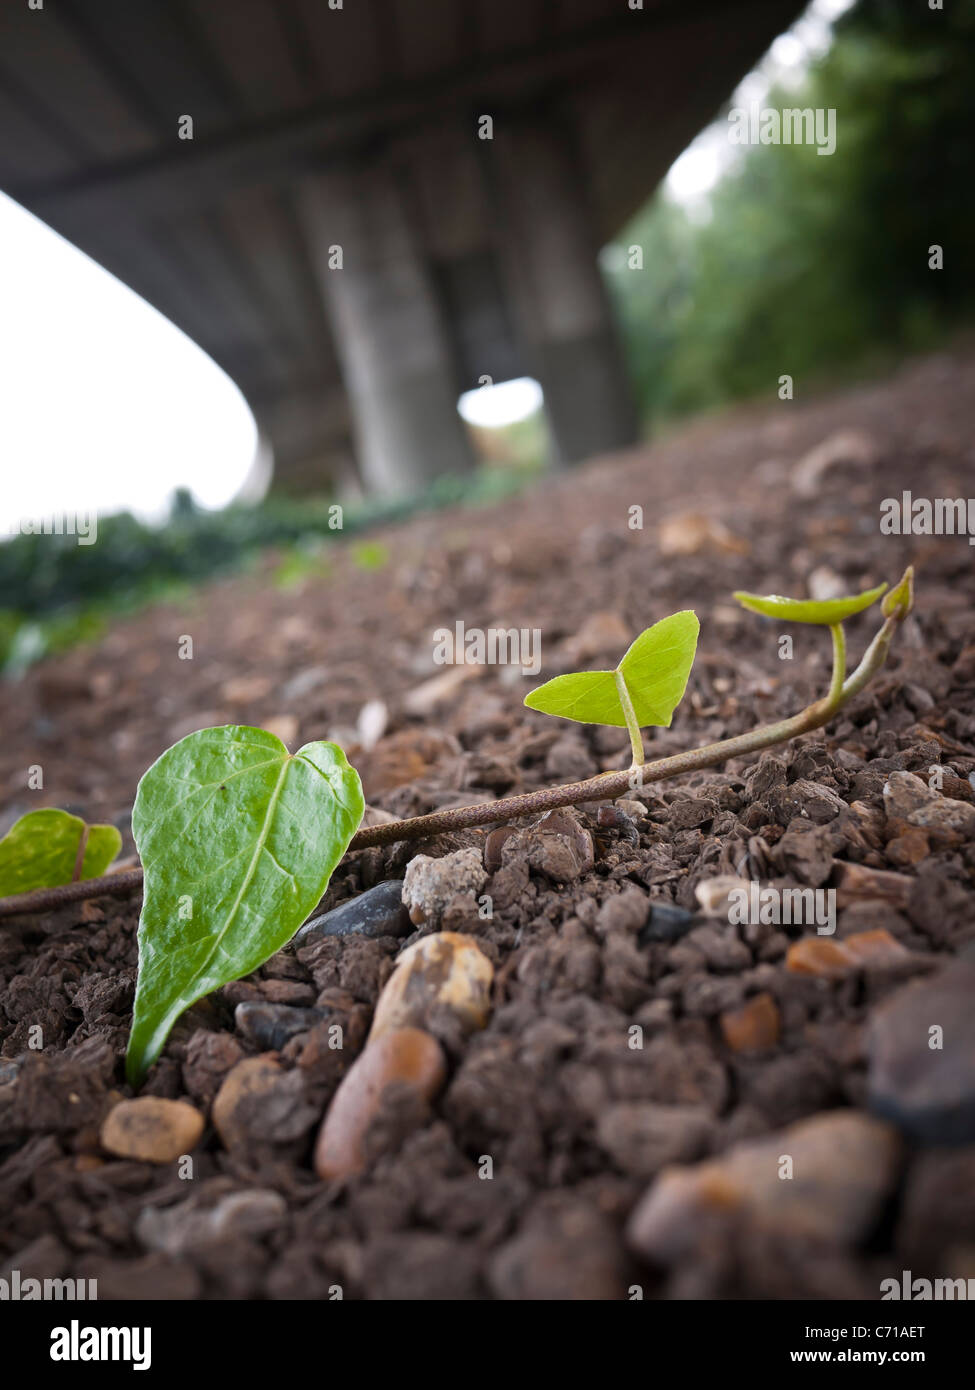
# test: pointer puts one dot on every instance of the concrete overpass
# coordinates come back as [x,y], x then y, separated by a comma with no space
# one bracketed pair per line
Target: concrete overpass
[338,224]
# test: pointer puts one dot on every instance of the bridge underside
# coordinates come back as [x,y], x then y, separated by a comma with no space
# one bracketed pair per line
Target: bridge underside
[337,234]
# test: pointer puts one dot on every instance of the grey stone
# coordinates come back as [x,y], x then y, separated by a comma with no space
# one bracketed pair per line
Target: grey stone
[928,1091]
[377,912]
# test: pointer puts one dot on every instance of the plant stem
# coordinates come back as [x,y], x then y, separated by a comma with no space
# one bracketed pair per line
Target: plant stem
[839,662]
[606,787]
[629,714]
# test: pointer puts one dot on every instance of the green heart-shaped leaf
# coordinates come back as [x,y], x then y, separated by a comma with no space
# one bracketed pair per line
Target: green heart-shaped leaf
[41,851]
[655,669]
[238,840]
[800,610]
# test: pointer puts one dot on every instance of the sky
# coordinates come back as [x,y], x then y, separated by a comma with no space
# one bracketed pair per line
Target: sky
[106,405]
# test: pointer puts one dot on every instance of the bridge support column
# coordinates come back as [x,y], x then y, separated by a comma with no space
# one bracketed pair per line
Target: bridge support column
[557,291]
[390,331]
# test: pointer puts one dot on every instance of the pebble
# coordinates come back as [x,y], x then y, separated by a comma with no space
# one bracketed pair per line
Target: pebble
[151,1129]
[832,960]
[642,1138]
[260,1102]
[928,1091]
[271,1026]
[557,847]
[408,1059]
[908,797]
[186,1227]
[713,894]
[753,1028]
[844,1165]
[430,884]
[667,923]
[444,971]
[377,912]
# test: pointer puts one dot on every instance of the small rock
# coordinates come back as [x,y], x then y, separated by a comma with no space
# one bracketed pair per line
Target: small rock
[945,816]
[831,959]
[253,1212]
[443,971]
[858,882]
[563,1252]
[921,1048]
[904,792]
[209,1057]
[493,845]
[668,923]
[753,1028]
[907,797]
[641,1138]
[713,894]
[187,1227]
[259,1102]
[810,800]
[844,1164]
[601,634]
[408,1060]
[557,847]
[283,726]
[875,949]
[851,449]
[906,850]
[377,912]
[691,532]
[820,956]
[430,884]
[625,912]
[270,1026]
[151,1130]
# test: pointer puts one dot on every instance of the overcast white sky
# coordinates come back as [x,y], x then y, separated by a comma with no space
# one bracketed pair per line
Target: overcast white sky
[105,405]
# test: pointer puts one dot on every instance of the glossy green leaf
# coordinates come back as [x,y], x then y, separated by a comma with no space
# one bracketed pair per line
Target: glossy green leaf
[238,840]
[796,610]
[655,668]
[41,851]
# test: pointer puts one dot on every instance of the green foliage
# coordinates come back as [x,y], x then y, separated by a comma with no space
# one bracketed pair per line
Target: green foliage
[654,672]
[808,263]
[796,610]
[238,840]
[54,592]
[370,555]
[900,600]
[41,851]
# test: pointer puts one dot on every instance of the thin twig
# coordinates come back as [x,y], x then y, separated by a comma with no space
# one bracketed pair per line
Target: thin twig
[605,787]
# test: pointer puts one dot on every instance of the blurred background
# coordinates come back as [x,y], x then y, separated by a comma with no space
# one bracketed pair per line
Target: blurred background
[260,259]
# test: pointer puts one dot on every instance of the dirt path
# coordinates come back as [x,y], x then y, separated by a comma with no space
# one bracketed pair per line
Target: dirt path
[743,1032]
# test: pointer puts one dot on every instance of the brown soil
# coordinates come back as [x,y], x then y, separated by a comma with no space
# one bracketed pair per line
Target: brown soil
[577,1122]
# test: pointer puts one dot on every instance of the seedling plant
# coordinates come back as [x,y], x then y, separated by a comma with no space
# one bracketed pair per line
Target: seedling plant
[238,838]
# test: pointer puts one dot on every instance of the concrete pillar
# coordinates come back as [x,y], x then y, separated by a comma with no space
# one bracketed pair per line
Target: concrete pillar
[389,328]
[557,292]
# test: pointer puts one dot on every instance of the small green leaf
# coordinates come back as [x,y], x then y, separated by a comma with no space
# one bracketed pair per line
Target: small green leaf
[655,668]
[41,851]
[238,840]
[900,600]
[796,610]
